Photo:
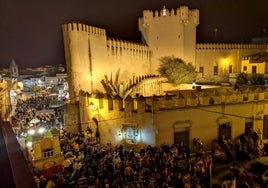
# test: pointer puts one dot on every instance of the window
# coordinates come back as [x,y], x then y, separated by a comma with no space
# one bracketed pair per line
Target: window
[245,68]
[265,127]
[248,126]
[230,68]
[215,70]
[182,132]
[110,104]
[201,70]
[254,69]
[182,136]
[101,103]
[225,130]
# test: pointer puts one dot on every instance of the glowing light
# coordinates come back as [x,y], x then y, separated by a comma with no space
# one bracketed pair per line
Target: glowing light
[225,61]
[31,132]
[92,105]
[29,144]
[41,130]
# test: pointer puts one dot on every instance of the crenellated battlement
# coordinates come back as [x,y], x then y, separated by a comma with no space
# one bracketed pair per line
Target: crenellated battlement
[230,46]
[140,85]
[79,27]
[204,97]
[183,12]
[135,48]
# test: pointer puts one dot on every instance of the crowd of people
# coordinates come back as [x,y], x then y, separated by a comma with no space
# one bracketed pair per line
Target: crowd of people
[89,164]
[35,112]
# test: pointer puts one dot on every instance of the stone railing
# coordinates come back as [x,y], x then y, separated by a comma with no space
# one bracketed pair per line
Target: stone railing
[193,98]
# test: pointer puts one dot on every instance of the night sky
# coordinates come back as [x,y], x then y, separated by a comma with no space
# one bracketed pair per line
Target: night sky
[30,30]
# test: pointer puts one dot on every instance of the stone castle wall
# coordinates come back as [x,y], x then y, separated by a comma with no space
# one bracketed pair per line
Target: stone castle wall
[160,114]
[170,33]
[90,54]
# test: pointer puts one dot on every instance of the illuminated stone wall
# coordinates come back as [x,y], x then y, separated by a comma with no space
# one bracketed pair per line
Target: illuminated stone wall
[5,102]
[90,54]
[223,55]
[156,120]
[170,33]
[260,64]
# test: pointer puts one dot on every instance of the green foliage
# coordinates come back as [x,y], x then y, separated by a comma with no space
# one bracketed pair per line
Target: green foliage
[256,79]
[112,88]
[242,79]
[176,70]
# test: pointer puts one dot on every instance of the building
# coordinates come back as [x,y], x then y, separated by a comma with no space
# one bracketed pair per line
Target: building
[5,101]
[14,69]
[91,56]
[176,116]
[255,63]
[44,150]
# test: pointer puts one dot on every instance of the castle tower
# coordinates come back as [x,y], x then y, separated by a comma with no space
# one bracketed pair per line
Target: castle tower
[13,69]
[170,33]
[83,45]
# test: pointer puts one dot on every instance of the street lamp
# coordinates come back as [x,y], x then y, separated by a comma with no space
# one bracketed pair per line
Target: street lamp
[92,106]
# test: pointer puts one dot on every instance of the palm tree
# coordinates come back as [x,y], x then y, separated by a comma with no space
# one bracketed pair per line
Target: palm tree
[112,87]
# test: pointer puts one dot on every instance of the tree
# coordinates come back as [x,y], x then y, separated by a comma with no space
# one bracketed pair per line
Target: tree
[256,79]
[176,70]
[112,87]
[242,79]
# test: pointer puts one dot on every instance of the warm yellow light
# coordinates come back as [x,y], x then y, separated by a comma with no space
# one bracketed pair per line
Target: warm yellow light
[225,61]
[29,144]
[41,130]
[92,105]
[31,132]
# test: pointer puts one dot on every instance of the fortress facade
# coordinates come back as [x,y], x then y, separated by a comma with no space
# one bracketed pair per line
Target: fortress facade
[90,54]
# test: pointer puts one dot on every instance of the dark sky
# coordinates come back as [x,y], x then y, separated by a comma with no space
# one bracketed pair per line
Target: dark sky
[30,30]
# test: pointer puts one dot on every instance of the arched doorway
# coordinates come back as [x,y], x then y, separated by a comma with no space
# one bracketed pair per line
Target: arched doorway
[97,133]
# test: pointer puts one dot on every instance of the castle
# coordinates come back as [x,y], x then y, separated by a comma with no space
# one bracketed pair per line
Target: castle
[90,54]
